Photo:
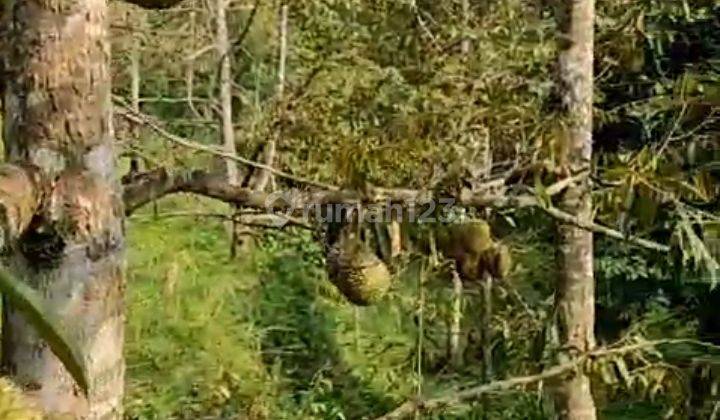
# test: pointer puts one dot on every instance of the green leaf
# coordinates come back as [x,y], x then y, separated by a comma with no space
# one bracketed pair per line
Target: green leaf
[27,301]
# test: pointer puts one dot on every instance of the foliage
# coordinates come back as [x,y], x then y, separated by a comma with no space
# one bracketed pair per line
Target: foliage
[385,92]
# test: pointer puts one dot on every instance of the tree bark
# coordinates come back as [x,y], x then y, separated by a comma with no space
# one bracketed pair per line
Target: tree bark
[222,43]
[575,293]
[223,49]
[455,352]
[58,119]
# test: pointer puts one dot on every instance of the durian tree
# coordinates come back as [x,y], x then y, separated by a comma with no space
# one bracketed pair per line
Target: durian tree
[62,205]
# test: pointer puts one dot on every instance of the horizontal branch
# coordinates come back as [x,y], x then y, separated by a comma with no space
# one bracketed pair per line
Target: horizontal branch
[612,233]
[259,220]
[408,408]
[143,188]
[146,187]
[154,4]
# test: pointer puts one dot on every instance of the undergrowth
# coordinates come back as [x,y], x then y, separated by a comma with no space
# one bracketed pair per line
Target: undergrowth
[266,336]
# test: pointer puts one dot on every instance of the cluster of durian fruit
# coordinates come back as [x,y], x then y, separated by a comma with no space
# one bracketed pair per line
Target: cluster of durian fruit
[356,268]
[476,253]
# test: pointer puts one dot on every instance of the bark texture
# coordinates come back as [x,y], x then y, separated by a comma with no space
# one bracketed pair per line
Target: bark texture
[575,294]
[223,49]
[58,120]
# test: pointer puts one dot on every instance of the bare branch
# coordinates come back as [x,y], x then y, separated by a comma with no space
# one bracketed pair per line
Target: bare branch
[144,188]
[260,220]
[612,233]
[410,407]
[141,118]
[237,43]
[154,4]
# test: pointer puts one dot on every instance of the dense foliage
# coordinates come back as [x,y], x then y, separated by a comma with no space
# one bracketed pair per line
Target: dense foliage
[385,93]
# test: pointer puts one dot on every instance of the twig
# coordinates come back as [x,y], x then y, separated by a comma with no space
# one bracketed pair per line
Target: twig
[141,118]
[263,220]
[594,227]
[561,185]
[409,407]
[241,38]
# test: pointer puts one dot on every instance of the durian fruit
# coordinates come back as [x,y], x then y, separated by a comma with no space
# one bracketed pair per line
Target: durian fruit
[355,270]
[497,261]
[475,251]
[14,405]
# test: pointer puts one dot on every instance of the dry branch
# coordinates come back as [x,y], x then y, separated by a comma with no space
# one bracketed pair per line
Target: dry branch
[143,119]
[612,233]
[259,220]
[154,4]
[457,397]
[146,187]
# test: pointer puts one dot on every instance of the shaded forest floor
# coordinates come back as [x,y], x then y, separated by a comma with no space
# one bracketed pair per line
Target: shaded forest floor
[266,337]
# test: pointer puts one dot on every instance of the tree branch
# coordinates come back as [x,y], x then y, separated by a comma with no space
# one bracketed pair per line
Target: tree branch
[410,407]
[259,220]
[154,4]
[141,189]
[594,227]
[140,118]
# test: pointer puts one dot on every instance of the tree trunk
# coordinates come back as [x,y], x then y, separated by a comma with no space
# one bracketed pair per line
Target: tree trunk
[222,43]
[575,293]
[455,352]
[223,48]
[58,118]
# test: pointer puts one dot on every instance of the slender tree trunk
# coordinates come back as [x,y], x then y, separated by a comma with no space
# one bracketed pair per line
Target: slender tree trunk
[575,293]
[135,62]
[134,70]
[455,352]
[226,111]
[282,61]
[190,67]
[58,118]
[264,177]
[465,45]
[487,338]
[223,48]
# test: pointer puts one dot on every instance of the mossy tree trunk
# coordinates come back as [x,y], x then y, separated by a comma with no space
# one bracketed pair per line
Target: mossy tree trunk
[58,128]
[575,293]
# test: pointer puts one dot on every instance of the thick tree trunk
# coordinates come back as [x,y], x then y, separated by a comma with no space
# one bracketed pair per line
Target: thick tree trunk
[58,118]
[575,293]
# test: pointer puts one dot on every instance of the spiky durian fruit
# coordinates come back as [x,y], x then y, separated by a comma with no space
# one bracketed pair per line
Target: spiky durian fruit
[497,261]
[356,271]
[475,251]
[14,405]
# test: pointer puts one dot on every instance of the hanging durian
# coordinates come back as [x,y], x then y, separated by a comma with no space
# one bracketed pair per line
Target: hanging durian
[14,405]
[474,250]
[353,267]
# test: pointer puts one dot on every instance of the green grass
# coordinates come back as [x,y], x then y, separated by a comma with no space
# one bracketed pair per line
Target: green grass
[190,344]
[263,336]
